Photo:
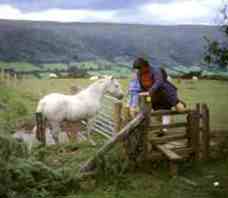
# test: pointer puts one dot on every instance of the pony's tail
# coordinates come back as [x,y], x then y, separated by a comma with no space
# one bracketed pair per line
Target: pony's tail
[40,127]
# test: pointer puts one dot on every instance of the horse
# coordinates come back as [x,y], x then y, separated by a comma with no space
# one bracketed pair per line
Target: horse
[84,105]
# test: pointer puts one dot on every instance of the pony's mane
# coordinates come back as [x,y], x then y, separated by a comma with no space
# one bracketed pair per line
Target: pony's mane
[99,81]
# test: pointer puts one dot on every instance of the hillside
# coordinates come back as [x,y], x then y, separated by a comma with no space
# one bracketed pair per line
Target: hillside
[49,42]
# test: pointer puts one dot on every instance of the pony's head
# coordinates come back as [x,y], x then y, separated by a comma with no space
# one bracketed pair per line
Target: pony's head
[114,87]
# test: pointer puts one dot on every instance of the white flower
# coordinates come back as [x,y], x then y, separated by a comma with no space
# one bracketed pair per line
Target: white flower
[216,184]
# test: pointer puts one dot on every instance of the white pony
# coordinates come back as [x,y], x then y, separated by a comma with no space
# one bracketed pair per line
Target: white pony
[83,105]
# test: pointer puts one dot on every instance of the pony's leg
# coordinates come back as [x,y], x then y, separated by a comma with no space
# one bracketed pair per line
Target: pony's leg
[55,130]
[89,129]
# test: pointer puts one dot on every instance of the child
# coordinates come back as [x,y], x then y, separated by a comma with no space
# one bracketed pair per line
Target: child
[133,91]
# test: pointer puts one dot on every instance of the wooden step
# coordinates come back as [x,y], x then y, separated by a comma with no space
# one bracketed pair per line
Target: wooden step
[171,155]
[157,155]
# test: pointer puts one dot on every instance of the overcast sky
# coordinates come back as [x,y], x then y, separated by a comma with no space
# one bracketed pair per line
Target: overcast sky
[165,12]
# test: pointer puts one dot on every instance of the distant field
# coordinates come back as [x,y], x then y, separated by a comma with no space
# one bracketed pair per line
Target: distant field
[90,67]
[18,66]
[212,92]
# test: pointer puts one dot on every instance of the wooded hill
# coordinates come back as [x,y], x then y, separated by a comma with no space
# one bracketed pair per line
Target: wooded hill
[50,42]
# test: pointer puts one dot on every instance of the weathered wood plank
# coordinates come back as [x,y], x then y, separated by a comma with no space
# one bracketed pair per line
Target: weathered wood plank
[183,152]
[168,126]
[168,153]
[168,112]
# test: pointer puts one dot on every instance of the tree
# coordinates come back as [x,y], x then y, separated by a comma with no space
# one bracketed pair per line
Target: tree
[217,52]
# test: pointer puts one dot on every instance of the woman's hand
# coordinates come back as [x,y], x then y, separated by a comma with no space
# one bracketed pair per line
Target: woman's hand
[145,93]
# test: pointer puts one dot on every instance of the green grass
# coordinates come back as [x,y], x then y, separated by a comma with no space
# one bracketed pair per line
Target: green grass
[212,92]
[15,105]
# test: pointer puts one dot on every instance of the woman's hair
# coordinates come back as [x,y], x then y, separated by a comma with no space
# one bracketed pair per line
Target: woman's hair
[140,62]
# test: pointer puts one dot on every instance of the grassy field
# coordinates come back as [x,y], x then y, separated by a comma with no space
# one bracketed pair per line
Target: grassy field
[61,163]
[212,92]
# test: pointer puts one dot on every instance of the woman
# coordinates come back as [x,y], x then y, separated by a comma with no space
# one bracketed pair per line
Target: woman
[154,82]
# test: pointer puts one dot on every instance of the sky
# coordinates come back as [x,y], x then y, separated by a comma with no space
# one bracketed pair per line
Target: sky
[162,12]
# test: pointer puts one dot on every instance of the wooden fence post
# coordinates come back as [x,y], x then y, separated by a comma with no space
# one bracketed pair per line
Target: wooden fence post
[194,128]
[125,119]
[205,131]
[40,128]
[117,116]
[125,116]
[145,107]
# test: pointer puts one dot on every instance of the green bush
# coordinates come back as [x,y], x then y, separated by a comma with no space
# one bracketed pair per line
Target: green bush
[21,176]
